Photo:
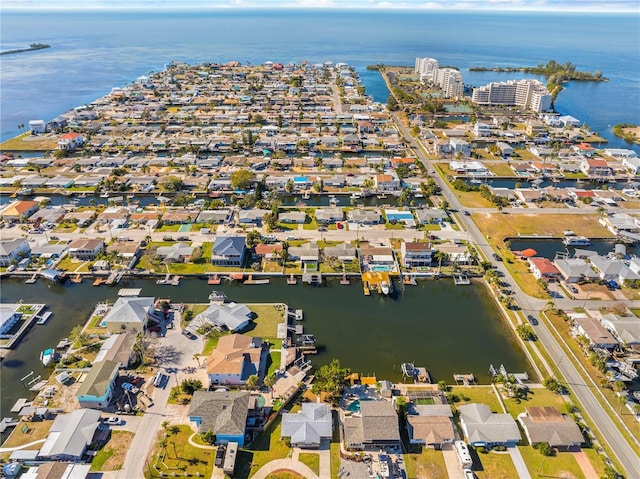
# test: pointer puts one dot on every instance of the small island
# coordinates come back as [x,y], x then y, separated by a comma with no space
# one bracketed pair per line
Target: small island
[556,72]
[32,47]
[628,132]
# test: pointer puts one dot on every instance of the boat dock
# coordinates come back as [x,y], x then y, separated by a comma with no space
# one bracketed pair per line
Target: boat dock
[345,281]
[8,423]
[215,279]
[250,280]
[461,279]
[312,278]
[99,281]
[169,280]
[77,279]
[409,280]
[115,277]
[33,279]
[129,292]
[44,318]
[465,379]
[292,280]
[375,280]
[27,324]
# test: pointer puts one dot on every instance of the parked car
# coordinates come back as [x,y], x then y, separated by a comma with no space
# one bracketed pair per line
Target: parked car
[183,238]
[189,334]
[114,421]
[573,289]
[466,213]
[496,256]
[533,321]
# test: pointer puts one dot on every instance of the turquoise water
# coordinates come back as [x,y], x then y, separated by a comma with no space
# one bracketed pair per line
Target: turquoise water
[94,51]
[379,268]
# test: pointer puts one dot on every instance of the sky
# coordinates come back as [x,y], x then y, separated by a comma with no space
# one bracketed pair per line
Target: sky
[507,5]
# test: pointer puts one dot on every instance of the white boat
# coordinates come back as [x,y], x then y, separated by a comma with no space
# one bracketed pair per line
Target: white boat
[475,181]
[385,287]
[217,296]
[47,356]
[576,241]
[568,233]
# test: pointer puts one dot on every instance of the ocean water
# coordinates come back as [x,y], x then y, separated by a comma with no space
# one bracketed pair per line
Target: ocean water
[95,51]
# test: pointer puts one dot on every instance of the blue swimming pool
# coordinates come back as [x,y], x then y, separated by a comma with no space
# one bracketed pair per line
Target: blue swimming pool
[380,267]
[355,405]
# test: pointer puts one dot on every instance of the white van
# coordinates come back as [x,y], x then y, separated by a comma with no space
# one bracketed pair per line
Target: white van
[158,379]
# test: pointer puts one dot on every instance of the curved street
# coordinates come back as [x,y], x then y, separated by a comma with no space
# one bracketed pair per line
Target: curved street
[583,392]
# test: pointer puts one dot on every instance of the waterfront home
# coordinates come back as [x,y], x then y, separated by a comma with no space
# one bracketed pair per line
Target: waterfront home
[430,425]
[430,215]
[364,216]
[620,153]
[584,149]
[544,269]
[85,249]
[596,167]
[229,316]
[176,253]
[114,214]
[457,253]
[70,141]
[375,258]
[618,222]
[473,168]
[547,424]
[224,413]
[50,214]
[37,127]
[308,253]
[118,348]
[505,149]
[228,251]
[625,328]
[329,215]
[293,217]
[98,388]
[593,330]
[574,270]
[216,217]
[460,146]
[127,250]
[308,427]
[130,314]
[268,251]
[71,435]
[13,250]
[179,216]
[19,210]
[341,251]
[9,315]
[44,249]
[251,216]
[482,427]
[376,428]
[387,182]
[416,254]
[235,358]
[612,269]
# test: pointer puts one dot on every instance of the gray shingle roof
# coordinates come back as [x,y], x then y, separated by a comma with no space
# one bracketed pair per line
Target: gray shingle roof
[482,425]
[379,421]
[222,412]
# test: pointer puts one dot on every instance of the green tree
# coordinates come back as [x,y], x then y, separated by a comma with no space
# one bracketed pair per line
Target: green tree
[253,381]
[253,238]
[79,337]
[545,449]
[242,179]
[330,379]
[208,436]
[172,184]
[189,386]
[442,386]
[552,385]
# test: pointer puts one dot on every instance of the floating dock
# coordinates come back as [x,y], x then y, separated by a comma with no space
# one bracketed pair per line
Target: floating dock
[250,280]
[77,279]
[461,279]
[292,280]
[215,279]
[99,281]
[33,279]
[466,379]
[409,280]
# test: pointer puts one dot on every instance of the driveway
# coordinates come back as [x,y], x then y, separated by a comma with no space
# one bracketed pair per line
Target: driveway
[518,462]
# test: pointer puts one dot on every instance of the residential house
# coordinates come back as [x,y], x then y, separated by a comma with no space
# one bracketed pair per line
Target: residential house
[251,217]
[229,316]
[387,182]
[228,251]
[80,218]
[307,428]
[118,348]
[50,214]
[341,251]
[19,210]
[177,252]
[482,427]
[224,413]
[216,217]
[597,335]
[364,216]
[416,254]
[71,435]
[376,429]
[596,167]
[85,249]
[13,250]
[543,269]
[37,127]
[459,146]
[625,328]
[473,168]
[268,251]
[306,253]
[430,425]
[235,358]
[57,470]
[175,217]
[547,424]
[574,270]
[293,217]
[612,269]
[127,250]
[98,388]
[618,222]
[9,315]
[329,215]
[505,149]
[430,215]
[70,141]
[130,314]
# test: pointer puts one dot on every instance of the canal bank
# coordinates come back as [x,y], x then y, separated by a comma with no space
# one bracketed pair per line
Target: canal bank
[446,328]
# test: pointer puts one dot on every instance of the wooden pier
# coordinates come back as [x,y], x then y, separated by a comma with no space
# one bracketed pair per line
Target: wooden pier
[409,280]
[461,279]
[250,280]
[345,281]
[215,279]
[365,287]
[77,279]
[99,281]
[292,280]
[312,278]
[170,281]
[465,379]
[33,279]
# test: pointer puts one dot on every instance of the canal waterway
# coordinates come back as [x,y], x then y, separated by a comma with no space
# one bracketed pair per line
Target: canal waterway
[548,248]
[445,328]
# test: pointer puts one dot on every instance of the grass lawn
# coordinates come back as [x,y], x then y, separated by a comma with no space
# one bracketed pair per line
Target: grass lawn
[112,455]
[312,461]
[563,464]
[168,228]
[501,169]
[211,342]
[26,142]
[535,397]
[494,466]
[70,264]
[190,268]
[269,266]
[524,154]
[265,448]
[36,431]
[266,323]
[391,226]
[596,460]
[284,474]
[499,226]
[180,457]
[472,199]
[479,394]
[429,464]
[198,308]
[273,362]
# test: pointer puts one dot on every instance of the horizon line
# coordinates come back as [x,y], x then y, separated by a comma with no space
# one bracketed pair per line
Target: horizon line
[399,8]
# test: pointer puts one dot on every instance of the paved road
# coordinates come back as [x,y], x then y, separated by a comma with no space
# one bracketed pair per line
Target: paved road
[583,392]
[175,352]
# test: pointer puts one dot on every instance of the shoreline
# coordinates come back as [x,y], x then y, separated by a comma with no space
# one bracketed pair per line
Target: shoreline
[34,47]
